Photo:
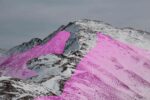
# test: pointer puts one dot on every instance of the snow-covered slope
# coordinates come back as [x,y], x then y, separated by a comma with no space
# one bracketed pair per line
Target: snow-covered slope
[54,59]
[16,89]
[128,35]
[110,71]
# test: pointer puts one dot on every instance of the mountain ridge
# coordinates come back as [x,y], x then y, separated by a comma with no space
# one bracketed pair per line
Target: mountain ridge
[37,41]
[53,70]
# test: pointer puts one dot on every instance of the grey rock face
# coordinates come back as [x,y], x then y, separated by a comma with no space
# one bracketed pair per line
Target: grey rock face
[72,45]
[33,42]
[24,46]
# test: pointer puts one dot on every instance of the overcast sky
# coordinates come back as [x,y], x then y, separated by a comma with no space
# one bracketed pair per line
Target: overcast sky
[21,20]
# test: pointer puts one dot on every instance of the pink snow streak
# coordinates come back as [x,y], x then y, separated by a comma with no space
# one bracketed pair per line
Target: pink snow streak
[16,64]
[110,71]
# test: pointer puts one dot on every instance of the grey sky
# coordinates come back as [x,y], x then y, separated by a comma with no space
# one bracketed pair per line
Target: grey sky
[21,20]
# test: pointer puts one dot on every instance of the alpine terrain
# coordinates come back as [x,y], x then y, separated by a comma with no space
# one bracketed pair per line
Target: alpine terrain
[84,60]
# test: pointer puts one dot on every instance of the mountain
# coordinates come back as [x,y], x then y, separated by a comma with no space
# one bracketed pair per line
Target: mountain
[70,54]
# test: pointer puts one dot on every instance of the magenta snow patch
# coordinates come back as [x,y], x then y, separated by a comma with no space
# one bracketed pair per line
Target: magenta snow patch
[110,71]
[15,65]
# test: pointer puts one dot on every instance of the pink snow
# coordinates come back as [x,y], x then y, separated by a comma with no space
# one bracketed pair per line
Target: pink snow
[15,66]
[110,71]
[3,58]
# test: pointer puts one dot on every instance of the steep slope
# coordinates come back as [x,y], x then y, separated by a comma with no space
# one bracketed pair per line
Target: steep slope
[33,42]
[48,63]
[130,36]
[2,55]
[18,62]
[110,71]
[24,46]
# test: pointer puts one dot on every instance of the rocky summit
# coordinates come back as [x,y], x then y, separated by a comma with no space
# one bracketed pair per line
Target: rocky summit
[84,60]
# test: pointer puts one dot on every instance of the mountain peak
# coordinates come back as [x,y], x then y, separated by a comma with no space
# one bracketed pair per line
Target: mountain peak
[129,35]
[84,50]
